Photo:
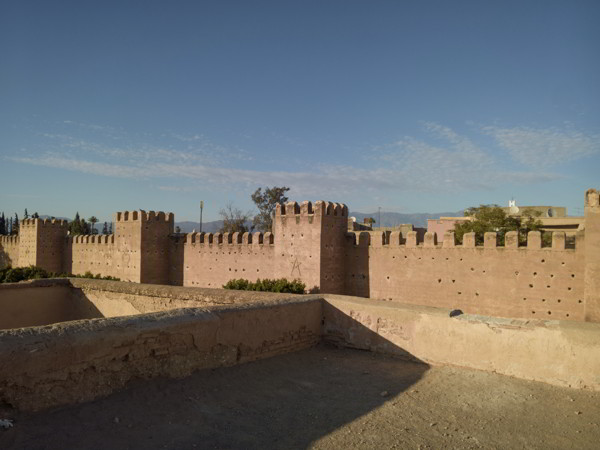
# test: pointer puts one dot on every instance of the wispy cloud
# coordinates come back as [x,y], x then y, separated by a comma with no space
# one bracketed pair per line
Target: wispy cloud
[544,147]
[442,161]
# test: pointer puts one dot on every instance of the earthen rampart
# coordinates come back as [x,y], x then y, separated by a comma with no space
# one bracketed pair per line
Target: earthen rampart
[310,242]
[510,281]
[90,253]
[80,360]
[211,260]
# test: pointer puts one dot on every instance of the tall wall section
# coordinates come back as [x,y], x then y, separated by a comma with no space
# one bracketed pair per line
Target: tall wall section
[90,253]
[9,251]
[50,243]
[309,241]
[211,260]
[128,242]
[592,255]
[28,241]
[154,246]
[510,281]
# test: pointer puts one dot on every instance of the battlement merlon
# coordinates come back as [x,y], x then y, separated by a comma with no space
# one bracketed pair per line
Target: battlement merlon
[236,238]
[54,223]
[91,239]
[380,239]
[306,208]
[143,216]
[592,199]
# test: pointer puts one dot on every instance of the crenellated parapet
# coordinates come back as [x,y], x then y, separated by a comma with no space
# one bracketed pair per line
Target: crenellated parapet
[394,240]
[144,217]
[306,209]
[236,238]
[45,223]
[91,239]
[9,240]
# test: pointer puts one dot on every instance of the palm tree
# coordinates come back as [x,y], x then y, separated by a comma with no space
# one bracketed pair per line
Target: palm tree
[93,220]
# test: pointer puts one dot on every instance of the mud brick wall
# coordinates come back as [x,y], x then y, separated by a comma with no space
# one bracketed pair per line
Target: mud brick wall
[79,361]
[510,281]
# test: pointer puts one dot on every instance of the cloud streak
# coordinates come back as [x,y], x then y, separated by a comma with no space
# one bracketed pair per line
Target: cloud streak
[444,161]
[537,147]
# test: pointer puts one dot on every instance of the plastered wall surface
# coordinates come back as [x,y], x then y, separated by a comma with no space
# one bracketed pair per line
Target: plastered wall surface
[25,305]
[84,359]
[310,242]
[48,301]
[562,353]
[211,260]
[509,282]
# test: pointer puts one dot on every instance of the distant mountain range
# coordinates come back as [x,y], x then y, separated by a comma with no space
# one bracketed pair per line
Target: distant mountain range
[388,219]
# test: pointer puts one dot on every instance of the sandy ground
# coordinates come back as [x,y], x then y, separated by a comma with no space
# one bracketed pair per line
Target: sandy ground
[320,398]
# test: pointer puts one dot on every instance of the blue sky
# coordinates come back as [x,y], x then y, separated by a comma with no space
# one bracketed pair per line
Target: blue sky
[408,106]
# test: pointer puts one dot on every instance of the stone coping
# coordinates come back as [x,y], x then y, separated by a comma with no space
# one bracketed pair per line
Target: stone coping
[198,294]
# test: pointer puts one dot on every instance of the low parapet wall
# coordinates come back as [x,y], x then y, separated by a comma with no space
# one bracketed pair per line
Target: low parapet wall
[84,359]
[48,301]
[557,352]
[79,361]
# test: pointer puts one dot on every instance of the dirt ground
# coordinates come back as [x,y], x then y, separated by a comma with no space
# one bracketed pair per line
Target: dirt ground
[323,398]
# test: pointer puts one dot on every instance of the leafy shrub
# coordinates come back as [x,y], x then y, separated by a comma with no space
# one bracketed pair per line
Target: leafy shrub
[267,285]
[16,274]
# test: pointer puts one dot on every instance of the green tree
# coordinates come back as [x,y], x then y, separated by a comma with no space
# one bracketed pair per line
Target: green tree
[93,220]
[234,220]
[370,221]
[487,218]
[15,225]
[266,202]
[26,215]
[105,228]
[35,215]
[2,224]
[76,227]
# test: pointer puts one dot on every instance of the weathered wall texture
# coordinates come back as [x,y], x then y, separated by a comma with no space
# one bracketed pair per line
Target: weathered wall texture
[41,303]
[9,251]
[528,282]
[592,255]
[557,352]
[93,254]
[79,361]
[211,260]
[48,301]
[310,242]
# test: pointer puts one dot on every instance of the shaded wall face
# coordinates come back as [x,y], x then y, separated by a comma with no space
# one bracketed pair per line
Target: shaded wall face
[104,355]
[154,251]
[333,262]
[35,306]
[50,246]
[592,255]
[540,284]
[9,251]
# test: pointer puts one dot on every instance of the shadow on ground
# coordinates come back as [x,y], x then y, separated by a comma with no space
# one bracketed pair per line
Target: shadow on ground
[283,402]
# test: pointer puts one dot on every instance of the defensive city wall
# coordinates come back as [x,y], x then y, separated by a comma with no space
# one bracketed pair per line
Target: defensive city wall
[310,242]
